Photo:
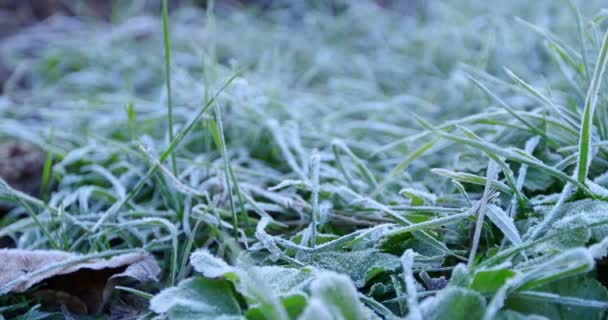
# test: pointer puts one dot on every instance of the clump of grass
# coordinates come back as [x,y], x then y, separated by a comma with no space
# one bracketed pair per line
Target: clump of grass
[340,140]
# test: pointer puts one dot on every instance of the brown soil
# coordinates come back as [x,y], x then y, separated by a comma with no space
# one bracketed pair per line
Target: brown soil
[21,166]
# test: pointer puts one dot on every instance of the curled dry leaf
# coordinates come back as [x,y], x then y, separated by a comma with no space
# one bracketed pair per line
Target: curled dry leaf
[82,287]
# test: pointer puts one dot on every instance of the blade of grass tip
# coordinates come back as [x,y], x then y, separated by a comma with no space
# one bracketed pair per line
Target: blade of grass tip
[136,292]
[404,164]
[341,167]
[563,300]
[584,150]
[521,174]
[491,175]
[5,189]
[506,170]
[186,252]
[241,199]
[279,138]
[445,126]
[407,261]
[167,46]
[509,109]
[552,38]
[42,227]
[47,171]
[542,98]
[472,179]
[581,36]
[514,155]
[315,165]
[561,57]
[462,190]
[220,141]
[174,143]
[363,170]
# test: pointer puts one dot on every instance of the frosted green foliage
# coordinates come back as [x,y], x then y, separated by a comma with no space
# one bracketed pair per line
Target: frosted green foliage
[259,293]
[561,306]
[198,298]
[263,286]
[376,99]
[339,296]
[454,303]
[419,197]
[578,233]
[360,265]
[600,249]
[562,265]
[505,223]
[488,281]
[581,214]
[285,281]
[316,310]
[566,264]
[513,315]
[294,305]
[208,265]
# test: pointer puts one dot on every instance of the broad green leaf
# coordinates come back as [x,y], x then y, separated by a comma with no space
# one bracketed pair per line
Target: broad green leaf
[317,309]
[294,304]
[281,281]
[563,265]
[578,287]
[339,296]
[285,281]
[513,315]
[454,303]
[198,298]
[580,213]
[360,265]
[209,265]
[490,280]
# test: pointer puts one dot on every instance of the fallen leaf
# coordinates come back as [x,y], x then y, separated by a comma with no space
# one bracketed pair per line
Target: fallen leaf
[82,287]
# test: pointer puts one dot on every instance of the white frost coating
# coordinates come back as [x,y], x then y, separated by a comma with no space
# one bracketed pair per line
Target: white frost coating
[339,294]
[197,298]
[316,310]
[410,284]
[599,250]
[208,265]
[504,223]
[285,281]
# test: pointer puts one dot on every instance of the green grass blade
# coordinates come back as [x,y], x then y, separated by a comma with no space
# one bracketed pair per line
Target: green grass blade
[584,149]
[167,46]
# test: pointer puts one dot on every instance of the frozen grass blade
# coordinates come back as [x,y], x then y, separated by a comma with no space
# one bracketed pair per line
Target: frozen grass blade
[515,114]
[407,261]
[364,171]
[220,141]
[315,165]
[581,36]
[518,156]
[491,175]
[174,143]
[403,165]
[584,149]
[167,46]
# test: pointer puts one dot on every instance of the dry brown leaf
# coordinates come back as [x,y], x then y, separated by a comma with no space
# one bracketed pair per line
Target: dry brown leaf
[83,287]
